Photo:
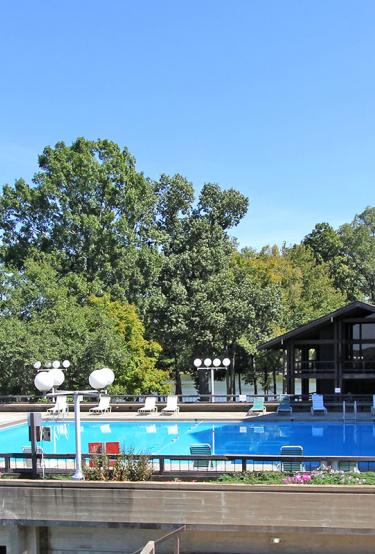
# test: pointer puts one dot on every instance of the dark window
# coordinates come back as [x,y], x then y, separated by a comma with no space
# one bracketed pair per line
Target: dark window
[368,352]
[368,331]
[3,550]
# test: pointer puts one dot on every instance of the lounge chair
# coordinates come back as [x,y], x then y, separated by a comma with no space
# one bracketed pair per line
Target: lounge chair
[258,407]
[318,404]
[201,450]
[242,398]
[149,407]
[284,408]
[61,406]
[103,406]
[348,466]
[171,407]
[291,451]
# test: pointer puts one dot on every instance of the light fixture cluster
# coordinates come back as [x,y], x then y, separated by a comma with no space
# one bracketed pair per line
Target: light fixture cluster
[50,376]
[207,362]
[101,378]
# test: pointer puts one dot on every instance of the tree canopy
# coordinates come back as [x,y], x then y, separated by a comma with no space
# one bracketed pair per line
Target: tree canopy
[105,266]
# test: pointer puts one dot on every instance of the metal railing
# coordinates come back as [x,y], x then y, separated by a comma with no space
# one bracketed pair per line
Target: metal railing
[240,399]
[150,547]
[175,465]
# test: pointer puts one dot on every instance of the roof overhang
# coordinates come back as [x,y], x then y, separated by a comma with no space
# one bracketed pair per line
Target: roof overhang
[278,342]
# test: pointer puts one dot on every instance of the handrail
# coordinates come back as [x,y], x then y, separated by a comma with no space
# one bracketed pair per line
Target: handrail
[149,547]
[201,398]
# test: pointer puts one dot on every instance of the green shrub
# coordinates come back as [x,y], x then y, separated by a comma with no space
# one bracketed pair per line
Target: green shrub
[128,466]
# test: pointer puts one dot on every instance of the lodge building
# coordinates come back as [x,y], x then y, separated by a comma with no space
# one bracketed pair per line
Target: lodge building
[337,351]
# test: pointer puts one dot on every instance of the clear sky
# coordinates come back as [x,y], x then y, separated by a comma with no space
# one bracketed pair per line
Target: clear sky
[275,98]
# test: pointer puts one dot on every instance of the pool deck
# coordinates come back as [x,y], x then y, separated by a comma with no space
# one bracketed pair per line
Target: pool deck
[12,418]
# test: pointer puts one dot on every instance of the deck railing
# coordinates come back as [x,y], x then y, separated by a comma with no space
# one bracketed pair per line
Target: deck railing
[178,465]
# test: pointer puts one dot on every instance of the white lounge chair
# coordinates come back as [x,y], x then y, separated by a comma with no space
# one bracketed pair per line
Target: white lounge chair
[149,407]
[61,406]
[103,406]
[318,404]
[171,407]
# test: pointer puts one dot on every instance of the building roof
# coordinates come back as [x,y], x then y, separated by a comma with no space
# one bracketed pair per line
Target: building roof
[356,306]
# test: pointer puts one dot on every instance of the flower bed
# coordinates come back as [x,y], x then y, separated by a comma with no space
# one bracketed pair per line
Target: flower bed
[318,477]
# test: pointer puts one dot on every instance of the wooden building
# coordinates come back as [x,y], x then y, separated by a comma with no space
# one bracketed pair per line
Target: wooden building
[334,353]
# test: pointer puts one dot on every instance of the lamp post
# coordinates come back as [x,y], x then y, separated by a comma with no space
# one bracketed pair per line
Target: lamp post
[99,380]
[52,372]
[211,365]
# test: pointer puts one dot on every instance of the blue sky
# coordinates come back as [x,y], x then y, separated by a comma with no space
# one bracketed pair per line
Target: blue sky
[275,98]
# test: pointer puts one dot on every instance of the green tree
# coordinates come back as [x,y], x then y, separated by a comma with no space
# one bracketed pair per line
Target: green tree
[89,207]
[42,319]
[358,240]
[196,247]
[328,248]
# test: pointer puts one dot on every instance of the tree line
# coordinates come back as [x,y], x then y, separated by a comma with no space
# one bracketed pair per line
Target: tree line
[105,266]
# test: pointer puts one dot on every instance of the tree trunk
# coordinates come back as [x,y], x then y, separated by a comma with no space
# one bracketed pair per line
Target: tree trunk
[233,373]
[178,385]
[255,382]
[239,383]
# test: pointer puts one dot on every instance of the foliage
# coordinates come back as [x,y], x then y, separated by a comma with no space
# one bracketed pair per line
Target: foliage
[349,254]
[136,372]
[317,477]
[185,311]
[91,209]
[41,319]
[128,466]
[306,289]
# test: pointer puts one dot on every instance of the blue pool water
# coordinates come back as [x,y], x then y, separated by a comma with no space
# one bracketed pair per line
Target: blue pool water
[250,437]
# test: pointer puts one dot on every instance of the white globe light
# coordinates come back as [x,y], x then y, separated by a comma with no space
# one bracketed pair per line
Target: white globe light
[44,381]
[56,364]
[216,362]
[197,362]
[66,364]
[207,362]
[226,362]
[58,377]
[37,365]
[98,380]
[109,374]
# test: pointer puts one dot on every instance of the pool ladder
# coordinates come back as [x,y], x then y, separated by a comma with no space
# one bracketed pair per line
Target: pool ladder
[355,410]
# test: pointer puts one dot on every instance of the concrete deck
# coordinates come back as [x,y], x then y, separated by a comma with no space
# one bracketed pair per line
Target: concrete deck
[12,418]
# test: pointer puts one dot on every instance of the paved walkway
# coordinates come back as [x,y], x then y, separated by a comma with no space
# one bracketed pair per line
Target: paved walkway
[11,418]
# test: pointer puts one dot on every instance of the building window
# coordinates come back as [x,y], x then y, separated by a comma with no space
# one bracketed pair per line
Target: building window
[360,331]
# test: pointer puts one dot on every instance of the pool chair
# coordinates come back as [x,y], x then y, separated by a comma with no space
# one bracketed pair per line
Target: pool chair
[352,467]
[201,450]
[149,407]
[318,404]
[284,408]
[61,406]
[171,407]
[103,406]
[258,407]
[291,451]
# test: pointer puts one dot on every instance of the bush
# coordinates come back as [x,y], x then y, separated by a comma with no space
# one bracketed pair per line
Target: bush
[317,477]
[128,466]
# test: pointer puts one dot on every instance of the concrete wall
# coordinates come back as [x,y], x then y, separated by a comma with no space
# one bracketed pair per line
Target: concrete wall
[56,517]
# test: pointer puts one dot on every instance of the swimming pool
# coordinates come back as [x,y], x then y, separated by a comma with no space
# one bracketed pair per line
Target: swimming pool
[167,437]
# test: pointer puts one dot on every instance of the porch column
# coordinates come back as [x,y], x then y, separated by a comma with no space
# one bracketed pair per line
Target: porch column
[290,368]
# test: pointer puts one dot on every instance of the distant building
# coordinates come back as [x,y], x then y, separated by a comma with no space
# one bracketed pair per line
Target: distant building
[337,350]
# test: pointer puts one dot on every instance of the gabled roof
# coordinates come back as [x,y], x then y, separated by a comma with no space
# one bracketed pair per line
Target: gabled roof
[345,310]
